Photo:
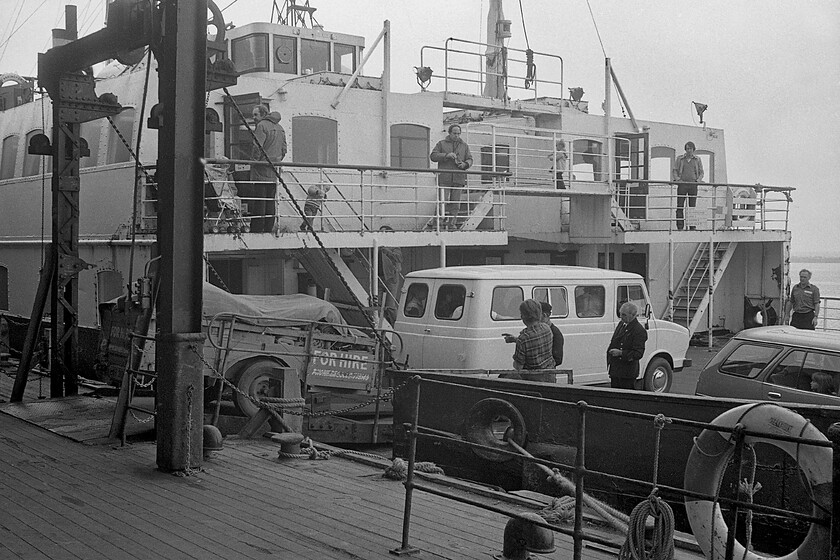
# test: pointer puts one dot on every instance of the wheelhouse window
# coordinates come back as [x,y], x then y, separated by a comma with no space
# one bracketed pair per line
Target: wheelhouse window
[632,293]
[415,300]
[708,159]
[315,140]
[662,163]
[505,303]
[117,151]
[250,53]
[238,141]
[450,302]
[285,54]
[31,162]
[557,297]
[748,360]
[589,301]
[314,56]
[91,131]
[9,156]
[409,146]
[587,160]
[344,58]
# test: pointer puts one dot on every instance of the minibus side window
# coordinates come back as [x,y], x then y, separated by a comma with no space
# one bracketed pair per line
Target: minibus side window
[632,293]
[557,297]
[505,304]
[589,301]
[450,302]
[415,300]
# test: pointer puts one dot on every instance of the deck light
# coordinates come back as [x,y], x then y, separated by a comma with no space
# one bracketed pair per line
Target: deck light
[700,108]
[576,93]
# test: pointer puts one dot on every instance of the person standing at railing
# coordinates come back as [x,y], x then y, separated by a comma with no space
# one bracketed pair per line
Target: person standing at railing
[259,194]
[559,163]
[804,301]
[452,153]
[688,170]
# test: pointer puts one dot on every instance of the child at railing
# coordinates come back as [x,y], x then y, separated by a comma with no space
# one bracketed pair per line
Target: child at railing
[559,163]
[315,197]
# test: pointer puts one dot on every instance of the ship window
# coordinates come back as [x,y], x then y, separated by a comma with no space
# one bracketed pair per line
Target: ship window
[415,300]
[91,131]
[7,164]
[250,53]
[589,301]
[502,155]
[557,297]
[31,162]
[409,146]
[285,54]
[450,302]
[662,163]
[708,159]
[109,285]
[505,303]
[344,58]
[315,140]
[4,288]
[632,293]
[587,160]
[238,141]
[124,122]
[314,56]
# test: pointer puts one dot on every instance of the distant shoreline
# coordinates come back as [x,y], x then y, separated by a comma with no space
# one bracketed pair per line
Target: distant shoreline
[815,259]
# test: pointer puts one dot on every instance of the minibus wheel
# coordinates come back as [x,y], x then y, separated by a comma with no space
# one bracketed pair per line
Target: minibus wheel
[659,376]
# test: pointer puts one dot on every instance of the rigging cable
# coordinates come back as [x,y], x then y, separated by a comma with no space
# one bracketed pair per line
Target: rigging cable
[11,29]
[9,38]
[531,68]
[604,50]
[43,176]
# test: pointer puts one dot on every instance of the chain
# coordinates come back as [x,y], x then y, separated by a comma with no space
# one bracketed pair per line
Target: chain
[188,470]
[386,396]
[130,149]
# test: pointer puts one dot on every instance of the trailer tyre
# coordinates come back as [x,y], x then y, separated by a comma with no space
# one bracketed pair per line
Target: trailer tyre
[659,376]
[253,380]
[486,423]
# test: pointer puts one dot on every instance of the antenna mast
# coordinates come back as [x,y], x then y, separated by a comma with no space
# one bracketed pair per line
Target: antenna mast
[295,14]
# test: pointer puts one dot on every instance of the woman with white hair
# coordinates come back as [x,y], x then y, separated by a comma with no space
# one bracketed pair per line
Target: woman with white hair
[626,349]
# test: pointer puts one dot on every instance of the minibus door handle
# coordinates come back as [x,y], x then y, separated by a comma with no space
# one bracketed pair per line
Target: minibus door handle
[774,395]
[427,330]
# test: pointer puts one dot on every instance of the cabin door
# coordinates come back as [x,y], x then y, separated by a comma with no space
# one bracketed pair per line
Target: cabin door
[632,156]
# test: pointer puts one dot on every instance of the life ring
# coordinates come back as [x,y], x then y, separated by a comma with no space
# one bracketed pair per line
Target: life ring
[710,455]
[478,427]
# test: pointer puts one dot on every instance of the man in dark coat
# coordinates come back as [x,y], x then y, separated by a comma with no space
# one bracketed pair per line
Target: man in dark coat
[626,349]
[452,153]
[556,335]
[260,192]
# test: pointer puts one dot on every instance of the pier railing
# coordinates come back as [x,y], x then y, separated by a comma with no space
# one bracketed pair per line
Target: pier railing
[503,445]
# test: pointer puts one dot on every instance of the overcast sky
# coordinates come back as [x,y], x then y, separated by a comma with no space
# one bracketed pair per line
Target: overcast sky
[768,70]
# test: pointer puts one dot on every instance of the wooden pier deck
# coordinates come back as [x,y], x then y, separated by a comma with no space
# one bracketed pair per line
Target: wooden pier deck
[67,495]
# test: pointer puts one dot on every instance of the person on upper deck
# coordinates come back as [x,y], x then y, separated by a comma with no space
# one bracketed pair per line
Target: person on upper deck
[452,153]
[688,170]
[270,139]
[804,301]
[559,162]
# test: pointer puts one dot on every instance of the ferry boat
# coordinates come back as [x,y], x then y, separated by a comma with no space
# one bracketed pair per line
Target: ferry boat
[371,145]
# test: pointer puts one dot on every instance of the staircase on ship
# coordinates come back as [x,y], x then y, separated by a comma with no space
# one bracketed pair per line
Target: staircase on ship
[692,294]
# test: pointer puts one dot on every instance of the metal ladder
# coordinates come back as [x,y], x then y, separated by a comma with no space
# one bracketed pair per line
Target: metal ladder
[691,297]
[128,386]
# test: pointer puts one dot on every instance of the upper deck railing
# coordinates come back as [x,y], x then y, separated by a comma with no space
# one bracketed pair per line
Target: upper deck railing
[468,66]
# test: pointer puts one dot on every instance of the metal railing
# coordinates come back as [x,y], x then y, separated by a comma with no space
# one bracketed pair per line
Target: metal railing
[508,449]
[358,199]
[829,319]
[513,69]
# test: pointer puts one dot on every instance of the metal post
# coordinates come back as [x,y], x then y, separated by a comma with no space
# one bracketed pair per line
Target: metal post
[411,432]
[182,58]
[580,465]
[386,93]
[608,146]
[442,253]
[738,434]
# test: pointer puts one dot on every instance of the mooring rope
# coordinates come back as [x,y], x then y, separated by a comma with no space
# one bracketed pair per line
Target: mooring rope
[398,470]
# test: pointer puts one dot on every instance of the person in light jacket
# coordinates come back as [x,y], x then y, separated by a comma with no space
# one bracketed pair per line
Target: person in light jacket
[452,153]
[626,349]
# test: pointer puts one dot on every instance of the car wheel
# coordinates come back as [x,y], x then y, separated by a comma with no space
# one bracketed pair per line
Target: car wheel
[252,381]
[659,376]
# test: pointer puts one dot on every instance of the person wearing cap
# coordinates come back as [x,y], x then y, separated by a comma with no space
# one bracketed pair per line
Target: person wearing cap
[688,171]
[556,335]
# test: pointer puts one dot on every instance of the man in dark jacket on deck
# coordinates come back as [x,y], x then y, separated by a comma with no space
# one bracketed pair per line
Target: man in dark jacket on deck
[259,194]
[556,335]
[452,153]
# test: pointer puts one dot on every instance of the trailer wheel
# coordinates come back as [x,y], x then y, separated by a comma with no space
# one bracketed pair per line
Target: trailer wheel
[253,381]
[659,376]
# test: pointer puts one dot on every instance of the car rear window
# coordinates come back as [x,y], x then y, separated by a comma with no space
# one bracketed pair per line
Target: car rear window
[748,360]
